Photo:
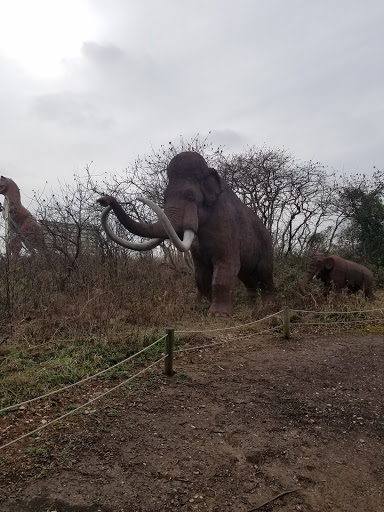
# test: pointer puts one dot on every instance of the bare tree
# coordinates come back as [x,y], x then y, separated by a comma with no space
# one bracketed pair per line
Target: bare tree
[71,225]
[292,198]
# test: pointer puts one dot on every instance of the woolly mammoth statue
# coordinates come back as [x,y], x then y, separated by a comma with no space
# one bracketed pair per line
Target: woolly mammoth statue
[342,273]
[226,238]
[22,226]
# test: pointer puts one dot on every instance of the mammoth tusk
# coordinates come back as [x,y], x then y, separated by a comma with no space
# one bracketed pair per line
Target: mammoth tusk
[185,244]
[135,246]
[182,245]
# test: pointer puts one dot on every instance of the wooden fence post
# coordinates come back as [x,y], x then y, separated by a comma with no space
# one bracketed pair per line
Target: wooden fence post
[286,322]
[168,361]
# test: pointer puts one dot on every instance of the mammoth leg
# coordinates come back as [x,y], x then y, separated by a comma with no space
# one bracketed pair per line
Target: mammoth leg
[327,289]
[203,273]
[352,289]
[267,288]
[203,279]
[368,292]
[265,273]
[251,282]
[327,282]
[338,287]
[261,279]
[224,278]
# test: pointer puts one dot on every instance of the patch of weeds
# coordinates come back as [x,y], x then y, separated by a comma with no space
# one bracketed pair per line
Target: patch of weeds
[154,379]
[202,306]
[130,385]
[81,412]
[38,450]
[121,371]
[113,412]
[4,413]
[374,329]
[27,373]
[63,454]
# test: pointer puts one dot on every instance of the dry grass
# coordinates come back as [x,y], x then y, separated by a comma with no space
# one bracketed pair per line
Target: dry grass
[59,324]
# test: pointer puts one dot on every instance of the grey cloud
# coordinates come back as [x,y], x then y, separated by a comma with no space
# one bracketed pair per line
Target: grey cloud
[69,109]
[125,82]
[110,62]
[300,75]
[106,54]
[229,139]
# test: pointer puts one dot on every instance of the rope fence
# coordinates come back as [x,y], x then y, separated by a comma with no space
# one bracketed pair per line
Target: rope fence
[337,312]
[82,406]
[285,315]
[231,327]
[329,323]
[55,391]
[223,342]
[361,321]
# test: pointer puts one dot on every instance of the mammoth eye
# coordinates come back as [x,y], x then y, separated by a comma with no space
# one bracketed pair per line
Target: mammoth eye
[189,196]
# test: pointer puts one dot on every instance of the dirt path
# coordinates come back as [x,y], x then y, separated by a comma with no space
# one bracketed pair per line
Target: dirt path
[236,426]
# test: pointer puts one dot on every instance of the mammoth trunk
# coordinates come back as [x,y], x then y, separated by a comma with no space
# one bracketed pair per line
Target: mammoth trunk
[305,281]
[157,231]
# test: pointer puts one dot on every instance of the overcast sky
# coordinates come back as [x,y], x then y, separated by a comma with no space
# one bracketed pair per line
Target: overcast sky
[104,81]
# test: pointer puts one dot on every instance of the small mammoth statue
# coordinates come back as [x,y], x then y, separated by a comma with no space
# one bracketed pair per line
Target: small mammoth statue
[342,273]
[201,213]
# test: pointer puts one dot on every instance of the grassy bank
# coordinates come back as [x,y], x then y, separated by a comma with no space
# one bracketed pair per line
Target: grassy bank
[56,326]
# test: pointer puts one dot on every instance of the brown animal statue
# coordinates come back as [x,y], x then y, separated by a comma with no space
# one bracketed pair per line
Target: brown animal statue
[226,238]
[342,273]
[23,228]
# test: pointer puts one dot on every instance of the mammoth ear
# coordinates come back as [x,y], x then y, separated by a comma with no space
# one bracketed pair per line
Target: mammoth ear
[211,187]
[329,263]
